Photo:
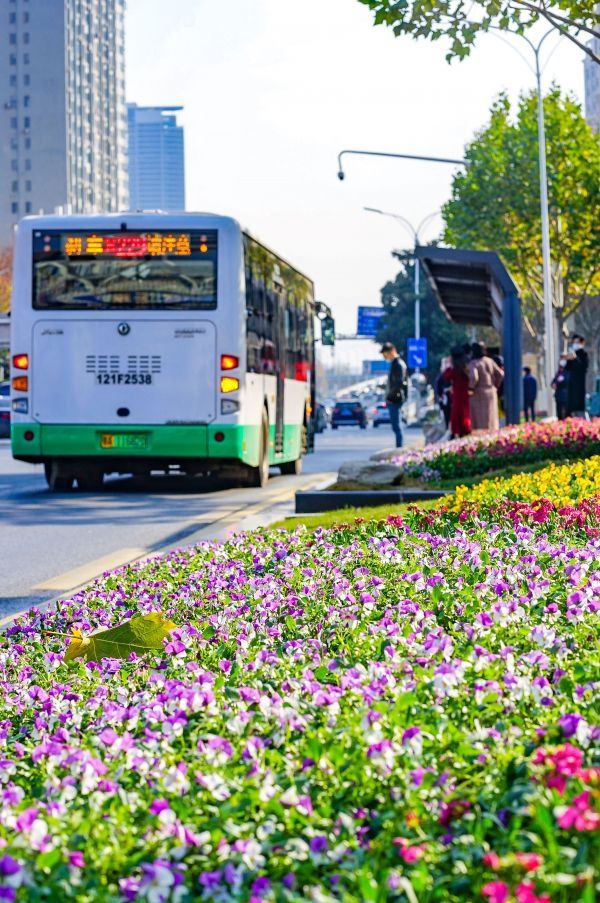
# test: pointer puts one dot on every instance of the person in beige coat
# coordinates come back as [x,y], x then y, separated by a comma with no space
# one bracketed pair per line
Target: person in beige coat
[485,378]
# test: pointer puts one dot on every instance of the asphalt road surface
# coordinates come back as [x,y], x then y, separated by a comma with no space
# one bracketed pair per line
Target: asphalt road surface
[51,544]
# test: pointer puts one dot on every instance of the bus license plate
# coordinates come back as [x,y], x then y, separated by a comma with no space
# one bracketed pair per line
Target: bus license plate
[122,440]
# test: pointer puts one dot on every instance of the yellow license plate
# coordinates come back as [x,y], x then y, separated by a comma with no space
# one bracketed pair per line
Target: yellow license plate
[123,440]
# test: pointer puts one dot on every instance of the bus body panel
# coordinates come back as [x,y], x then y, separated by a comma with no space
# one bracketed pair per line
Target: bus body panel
[126,372]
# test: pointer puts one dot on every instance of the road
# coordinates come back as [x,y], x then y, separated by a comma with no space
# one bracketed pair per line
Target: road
[52,543]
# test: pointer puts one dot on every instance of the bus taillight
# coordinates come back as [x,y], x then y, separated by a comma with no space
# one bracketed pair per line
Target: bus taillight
[20,361]
[20,383]
[229,362]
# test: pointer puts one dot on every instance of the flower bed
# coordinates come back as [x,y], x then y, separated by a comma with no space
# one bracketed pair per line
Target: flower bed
[528,443]
[560,484]
[362,714]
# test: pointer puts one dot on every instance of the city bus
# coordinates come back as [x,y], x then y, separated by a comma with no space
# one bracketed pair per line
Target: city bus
[145,342]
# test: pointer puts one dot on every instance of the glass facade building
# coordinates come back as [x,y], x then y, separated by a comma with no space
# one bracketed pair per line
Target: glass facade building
[63,119]
[156,167]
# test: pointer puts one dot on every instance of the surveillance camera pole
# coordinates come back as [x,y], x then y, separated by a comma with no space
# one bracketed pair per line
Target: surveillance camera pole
[342,174]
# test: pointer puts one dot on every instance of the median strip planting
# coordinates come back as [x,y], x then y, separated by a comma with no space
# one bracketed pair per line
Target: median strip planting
[383,711]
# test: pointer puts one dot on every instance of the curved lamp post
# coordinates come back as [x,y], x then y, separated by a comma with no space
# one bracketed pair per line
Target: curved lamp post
[415,235]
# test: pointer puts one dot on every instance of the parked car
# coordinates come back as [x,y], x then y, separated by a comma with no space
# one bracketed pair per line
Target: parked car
[4,410]
[381,414]
[321,418]
[348,413]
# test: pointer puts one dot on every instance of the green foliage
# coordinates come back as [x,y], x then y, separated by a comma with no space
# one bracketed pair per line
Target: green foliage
[462,23]
[496,202]
[398,322]
[138,635]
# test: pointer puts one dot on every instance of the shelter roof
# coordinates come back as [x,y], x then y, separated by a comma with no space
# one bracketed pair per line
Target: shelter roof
[470,286]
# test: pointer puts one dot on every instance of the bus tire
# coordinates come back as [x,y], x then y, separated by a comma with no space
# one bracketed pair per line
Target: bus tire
[56,478]
[90,482]
[294,468]
[291,468]
[258,477]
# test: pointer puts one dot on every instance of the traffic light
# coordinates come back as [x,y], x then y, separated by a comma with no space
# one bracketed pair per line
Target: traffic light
[327,331]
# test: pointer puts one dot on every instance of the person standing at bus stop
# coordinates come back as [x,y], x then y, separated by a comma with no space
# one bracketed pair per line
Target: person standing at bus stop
[577,366]
[397,388]
[529,394]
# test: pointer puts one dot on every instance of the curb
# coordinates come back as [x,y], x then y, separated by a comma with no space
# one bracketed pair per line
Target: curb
[314,502]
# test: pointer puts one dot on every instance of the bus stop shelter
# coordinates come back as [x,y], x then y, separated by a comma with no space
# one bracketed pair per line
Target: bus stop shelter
[474,288]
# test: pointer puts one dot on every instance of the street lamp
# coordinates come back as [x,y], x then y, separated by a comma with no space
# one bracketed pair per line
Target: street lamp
[550,343]
[415,235]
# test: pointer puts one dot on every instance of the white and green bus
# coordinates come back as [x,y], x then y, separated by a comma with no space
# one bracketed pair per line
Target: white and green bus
[154,341]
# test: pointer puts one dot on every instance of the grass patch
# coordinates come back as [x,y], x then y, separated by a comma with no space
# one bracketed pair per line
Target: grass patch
[345,516]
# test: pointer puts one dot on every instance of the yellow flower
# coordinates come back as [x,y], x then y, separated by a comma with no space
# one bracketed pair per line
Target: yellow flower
[562,484]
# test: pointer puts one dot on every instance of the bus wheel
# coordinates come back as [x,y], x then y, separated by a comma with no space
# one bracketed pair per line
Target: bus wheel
[56,478]
[259,476]
[294,468]
[90,482]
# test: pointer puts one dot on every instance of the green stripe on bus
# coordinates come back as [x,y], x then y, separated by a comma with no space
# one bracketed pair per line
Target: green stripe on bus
[238,442]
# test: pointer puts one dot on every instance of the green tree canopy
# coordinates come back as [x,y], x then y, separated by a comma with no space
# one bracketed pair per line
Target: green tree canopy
[495,202]
[462,22]
[398,323]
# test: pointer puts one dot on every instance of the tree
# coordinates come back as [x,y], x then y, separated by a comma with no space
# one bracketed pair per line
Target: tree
[463,22]
[495,203]
[5,279]
[398,322]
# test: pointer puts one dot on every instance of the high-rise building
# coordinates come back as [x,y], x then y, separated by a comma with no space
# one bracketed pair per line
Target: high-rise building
[63,125]
[591,72]
[156,170]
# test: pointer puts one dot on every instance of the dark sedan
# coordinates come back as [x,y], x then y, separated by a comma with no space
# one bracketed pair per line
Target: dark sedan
[348,413]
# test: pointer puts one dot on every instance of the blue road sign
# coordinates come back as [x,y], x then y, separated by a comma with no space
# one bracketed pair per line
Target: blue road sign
[417,353]
[368,320]
[373,368]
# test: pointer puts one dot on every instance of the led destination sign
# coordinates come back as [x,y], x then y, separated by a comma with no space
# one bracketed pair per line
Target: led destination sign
[124,270]
[129,244]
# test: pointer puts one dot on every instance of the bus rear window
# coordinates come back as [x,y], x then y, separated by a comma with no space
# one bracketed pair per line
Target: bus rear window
[125,270]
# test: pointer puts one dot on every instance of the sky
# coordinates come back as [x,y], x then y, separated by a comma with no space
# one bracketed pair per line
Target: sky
[272,91]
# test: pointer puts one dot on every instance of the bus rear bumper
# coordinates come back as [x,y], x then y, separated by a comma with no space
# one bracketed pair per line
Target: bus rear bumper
[114,445]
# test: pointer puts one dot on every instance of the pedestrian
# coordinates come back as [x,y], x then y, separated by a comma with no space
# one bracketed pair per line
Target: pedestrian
[577,366]
[560,384]
[501,410]
[443,391]
[457,375]
[485,378]
[397,388]
[529,394]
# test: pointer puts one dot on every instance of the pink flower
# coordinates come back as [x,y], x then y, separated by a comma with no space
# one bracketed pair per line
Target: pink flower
[407,852]
[526,893]
[529,861]
[492,860]
[495,891]
[579,815]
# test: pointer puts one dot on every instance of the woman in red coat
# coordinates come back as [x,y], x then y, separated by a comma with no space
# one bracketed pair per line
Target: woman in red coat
[458,376]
